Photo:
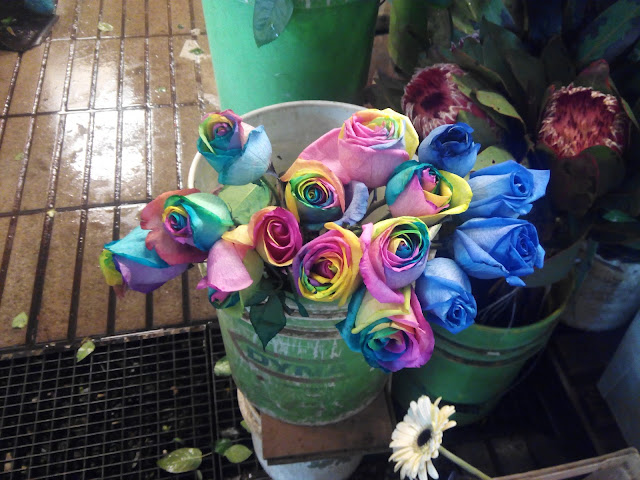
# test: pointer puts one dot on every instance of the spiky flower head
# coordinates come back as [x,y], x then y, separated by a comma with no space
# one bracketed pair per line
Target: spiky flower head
[416,439]
[576,118]
[432,98]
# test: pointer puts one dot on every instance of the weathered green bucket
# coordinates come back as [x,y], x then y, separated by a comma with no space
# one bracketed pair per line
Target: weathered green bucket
[307,375]
[323,53]
[474,368]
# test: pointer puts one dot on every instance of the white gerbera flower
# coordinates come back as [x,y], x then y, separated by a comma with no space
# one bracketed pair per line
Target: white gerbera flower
[416,440]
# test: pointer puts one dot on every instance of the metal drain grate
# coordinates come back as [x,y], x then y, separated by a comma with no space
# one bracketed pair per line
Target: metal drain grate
[113,414]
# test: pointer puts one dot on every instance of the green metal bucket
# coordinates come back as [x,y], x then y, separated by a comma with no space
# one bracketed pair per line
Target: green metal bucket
[474,368]
[307,375]
[323,53]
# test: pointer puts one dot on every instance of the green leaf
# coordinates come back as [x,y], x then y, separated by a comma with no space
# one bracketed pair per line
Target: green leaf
[529,72]
[196,51]
[270,17]
[491,156]
[237,453]
[618,216]
[255,267]
[497,102]
[20,320]
[222,445]
[245,200]
[245,425]
[19,156]
[268,319]
[181,460]
[85,350]
[610,33]
[198,475]
[558,64]
[105,27]
[222,367]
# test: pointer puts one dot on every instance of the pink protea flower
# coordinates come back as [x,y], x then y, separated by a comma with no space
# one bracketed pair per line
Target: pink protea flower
[432,98]
[576,118]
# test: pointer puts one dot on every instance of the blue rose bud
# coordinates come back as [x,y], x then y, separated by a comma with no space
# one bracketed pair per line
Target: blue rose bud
[450,148]
[505,190]
[444,292]
[498,247]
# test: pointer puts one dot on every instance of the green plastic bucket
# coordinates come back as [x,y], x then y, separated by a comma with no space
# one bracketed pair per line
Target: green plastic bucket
[323,53]
[307,375]
[474,368]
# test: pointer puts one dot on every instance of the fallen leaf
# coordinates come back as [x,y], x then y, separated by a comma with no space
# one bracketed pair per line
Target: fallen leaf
[105,27]
[85,350]
[20,320]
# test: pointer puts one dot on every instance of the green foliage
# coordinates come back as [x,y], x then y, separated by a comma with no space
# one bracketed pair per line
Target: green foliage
[222,367]
[85,350]
[270,17]
[245,200]
[268,319]
[181,460]
[20,320]
[237,453]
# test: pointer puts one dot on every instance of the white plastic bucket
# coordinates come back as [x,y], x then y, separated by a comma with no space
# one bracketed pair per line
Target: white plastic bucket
[607,298]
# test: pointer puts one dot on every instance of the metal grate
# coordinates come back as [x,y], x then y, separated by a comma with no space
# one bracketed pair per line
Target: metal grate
[114,414]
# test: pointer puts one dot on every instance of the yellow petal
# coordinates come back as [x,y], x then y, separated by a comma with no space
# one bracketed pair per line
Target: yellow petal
[239,235]
[459,199]
[372,310]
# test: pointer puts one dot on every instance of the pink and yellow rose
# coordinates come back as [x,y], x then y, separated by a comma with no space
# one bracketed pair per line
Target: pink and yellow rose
[370,144]
[327,268]
[390,336]
[394,255]
[274,233]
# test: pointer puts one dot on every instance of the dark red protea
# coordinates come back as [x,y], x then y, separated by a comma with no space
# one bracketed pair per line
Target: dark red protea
[576,118]
[432,98]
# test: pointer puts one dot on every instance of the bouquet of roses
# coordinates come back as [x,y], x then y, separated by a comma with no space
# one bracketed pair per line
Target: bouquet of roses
[353,221]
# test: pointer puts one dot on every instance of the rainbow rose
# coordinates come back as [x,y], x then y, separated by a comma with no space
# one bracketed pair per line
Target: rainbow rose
[128,263]
[275,234]
[184,225]
[390,336]
[370,144]
[394,255]
[326,269]
[420,190]
[238,152]
[315,195]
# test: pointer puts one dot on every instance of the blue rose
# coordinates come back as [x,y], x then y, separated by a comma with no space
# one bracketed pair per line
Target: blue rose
[498,247]
[450,148]
[444,292]
[239,153]
[505,190]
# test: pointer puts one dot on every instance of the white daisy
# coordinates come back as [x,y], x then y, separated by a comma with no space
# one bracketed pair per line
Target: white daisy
[416,440]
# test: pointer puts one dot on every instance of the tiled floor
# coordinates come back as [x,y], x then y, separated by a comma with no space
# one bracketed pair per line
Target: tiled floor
[94,124]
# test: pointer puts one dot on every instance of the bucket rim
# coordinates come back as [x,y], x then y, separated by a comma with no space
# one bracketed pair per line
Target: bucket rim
[569,282]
